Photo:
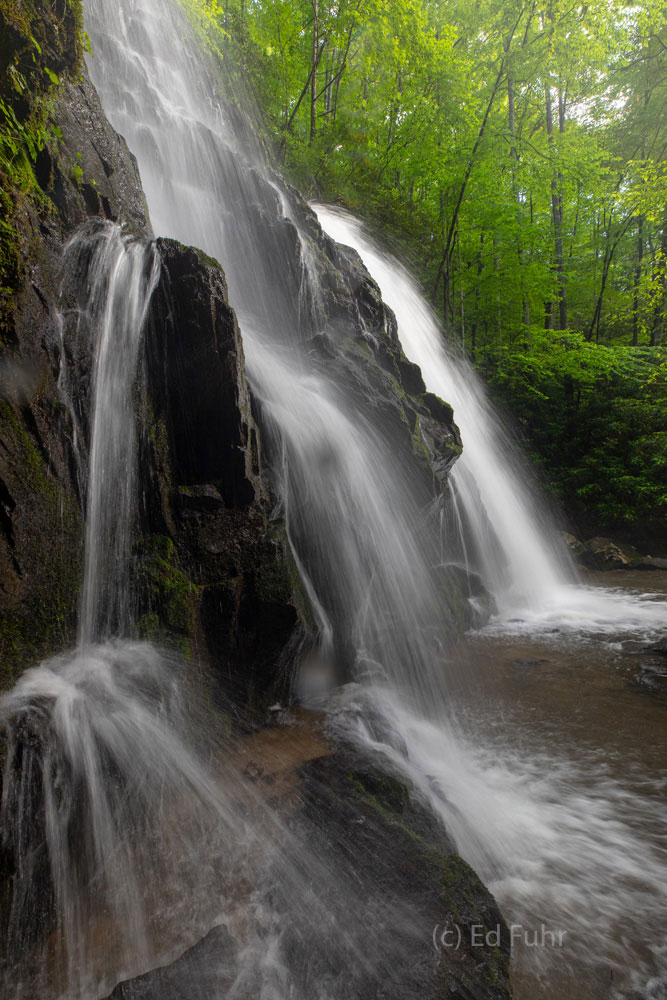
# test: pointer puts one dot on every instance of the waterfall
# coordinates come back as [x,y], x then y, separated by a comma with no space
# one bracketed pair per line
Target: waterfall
[372,590]
[100,792]
[120,279]
[144,850]
[516,548]
[501,526]
[560,842]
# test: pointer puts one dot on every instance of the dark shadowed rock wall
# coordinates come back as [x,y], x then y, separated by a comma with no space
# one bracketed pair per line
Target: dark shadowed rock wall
[86,171]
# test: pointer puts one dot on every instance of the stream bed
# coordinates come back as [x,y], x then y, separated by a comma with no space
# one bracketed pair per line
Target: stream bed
[569,790]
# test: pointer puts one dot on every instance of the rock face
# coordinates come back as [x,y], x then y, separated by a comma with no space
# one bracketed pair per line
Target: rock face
[597,553]
[206,969]
[605,554]
[360,349]
[88,173]
[377,905]
[400,884]
[652,675]
[215,572]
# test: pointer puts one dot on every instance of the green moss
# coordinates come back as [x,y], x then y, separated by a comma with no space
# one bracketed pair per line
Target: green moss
[166,591]
[272,583]
[174,589]
[419,446]
[42,618]
[148,628]
[30,466]
[38,45]
[207,260]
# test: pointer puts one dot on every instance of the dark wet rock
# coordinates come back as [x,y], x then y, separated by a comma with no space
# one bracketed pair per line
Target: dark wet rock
[366,883]
[462,592]
[652,677]
[392,883]
[650,563]
[215,572]
[573,543]
[364,355]
[92,172]
[357,345]
[527,662]
[87,172]
[602,554]
[202,972]
[605,554]
[658,648]
[196,378]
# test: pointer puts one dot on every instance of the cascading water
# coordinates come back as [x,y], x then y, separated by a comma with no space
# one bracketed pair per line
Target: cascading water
[515,547]
[207,185]
[500,519]
[372,588]
[121,279]
[100,793]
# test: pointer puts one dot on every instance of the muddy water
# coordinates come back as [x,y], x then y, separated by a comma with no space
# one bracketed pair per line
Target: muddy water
[576,768]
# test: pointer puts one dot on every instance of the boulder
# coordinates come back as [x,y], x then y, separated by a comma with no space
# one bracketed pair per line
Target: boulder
[365,897]
[603,554]
[390,882]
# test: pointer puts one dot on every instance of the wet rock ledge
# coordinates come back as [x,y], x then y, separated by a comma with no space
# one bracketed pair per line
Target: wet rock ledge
[378,884]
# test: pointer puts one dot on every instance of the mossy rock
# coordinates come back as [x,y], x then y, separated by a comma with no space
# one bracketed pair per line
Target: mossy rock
[41,530]
[387,876]
[166,595]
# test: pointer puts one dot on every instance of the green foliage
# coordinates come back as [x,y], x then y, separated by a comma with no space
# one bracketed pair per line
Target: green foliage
[595,420]
[207,18]
[37,47]
[517,154]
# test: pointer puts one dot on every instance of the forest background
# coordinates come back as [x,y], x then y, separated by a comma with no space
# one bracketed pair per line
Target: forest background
[514,153]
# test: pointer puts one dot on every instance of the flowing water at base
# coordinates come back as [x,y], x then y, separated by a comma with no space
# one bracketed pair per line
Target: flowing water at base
[554,787]
[120,835]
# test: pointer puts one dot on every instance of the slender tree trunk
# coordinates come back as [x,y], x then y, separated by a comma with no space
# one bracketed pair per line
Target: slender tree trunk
[660,311]
[557,209]
[638,278]
[461,295]
[511,116]
[609,252]
[478,291]
[514,156]
[314,64]
[445,263]
[339,74]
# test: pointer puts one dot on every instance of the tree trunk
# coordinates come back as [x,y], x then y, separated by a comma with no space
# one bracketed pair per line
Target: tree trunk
[638,278]
[660,312]
[557,209]
[314,63]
